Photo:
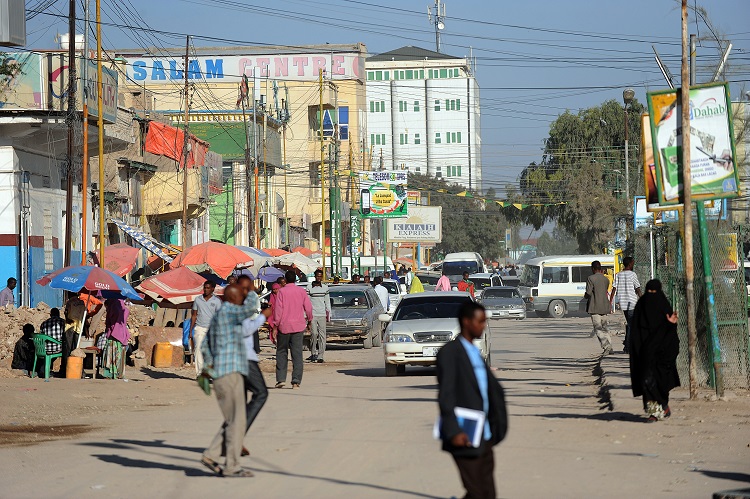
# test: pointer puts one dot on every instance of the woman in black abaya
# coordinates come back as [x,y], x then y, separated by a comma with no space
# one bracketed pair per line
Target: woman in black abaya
[653,351]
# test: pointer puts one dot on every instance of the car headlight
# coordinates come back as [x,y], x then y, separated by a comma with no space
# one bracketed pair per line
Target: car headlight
[363,322]
[398,338]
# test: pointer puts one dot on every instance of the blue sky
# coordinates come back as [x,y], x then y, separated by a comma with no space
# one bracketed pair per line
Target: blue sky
[535,59]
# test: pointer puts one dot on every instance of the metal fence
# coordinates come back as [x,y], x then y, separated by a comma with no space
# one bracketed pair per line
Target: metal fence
[658,252]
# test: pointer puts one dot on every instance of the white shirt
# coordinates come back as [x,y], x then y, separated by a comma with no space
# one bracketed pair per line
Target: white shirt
[249,326]
[626,282]
[383,295]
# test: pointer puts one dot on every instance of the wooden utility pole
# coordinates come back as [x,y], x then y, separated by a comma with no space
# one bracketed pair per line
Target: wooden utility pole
[100,126]
[322,179]
[687,211]
[70,118]
[85,125]
[186,152]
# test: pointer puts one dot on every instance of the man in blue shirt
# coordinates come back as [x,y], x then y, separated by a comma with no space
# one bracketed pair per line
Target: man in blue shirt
[465,381]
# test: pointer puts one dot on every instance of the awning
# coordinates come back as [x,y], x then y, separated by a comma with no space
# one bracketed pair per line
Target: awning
[144,240]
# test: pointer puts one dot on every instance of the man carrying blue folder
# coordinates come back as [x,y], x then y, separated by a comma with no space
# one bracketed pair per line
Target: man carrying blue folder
[469,394]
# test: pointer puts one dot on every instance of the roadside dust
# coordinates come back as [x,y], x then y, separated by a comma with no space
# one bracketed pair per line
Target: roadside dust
[11,435]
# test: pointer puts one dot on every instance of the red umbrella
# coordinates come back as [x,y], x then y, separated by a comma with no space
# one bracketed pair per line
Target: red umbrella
[177,286]
[275,251]
[219,258]
[303,251]
[118,258]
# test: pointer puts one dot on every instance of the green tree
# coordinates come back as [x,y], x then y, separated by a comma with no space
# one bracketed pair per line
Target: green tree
[557,243]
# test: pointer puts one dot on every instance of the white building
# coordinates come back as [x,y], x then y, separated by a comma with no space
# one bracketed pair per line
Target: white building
[423,115]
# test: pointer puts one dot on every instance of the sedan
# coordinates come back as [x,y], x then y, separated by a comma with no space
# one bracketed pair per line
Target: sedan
[421,325]
[503,302]
[355,311]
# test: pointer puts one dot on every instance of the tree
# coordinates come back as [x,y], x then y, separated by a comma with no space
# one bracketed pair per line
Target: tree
[557,243]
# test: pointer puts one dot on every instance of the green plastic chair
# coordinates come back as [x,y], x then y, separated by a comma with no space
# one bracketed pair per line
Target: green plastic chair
[40,347]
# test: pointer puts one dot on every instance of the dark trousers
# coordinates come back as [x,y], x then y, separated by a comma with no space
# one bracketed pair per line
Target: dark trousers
[284,343]
[477,474]
[628,320]
[255,384]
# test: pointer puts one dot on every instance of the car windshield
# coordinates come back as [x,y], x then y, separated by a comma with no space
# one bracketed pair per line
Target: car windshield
[481,282]
[500,293]
[392,287]
[429,307]
[348,299]
[530,276]
[428,279]
[458,268]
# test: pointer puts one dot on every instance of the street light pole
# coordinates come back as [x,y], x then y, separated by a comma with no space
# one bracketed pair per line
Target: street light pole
[627,97]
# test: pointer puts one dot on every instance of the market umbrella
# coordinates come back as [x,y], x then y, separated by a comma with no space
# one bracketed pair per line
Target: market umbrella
[260,258]
[177,286]
[405,261]
[275,251]
[297,260]
[118,258]
[219,258]
[303,251]
[269,274]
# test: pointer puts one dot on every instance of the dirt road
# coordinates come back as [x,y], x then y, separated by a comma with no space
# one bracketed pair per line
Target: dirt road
[351,432]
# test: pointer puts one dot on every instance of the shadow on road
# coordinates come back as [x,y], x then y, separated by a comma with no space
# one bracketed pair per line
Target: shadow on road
[727,475]
[379,372]
[142,463]
[600,416]
[151,373]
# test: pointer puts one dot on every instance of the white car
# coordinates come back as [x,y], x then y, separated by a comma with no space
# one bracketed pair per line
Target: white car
[395,293]
[420,326]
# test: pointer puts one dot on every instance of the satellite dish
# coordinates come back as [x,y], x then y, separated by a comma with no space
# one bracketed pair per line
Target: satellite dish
[441,25]
[279,202]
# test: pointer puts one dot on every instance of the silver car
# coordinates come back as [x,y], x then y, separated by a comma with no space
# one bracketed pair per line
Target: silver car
[503,302]
[354,315]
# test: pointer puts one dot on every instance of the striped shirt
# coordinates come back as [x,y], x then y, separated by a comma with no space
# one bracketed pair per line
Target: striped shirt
[626,282]
[54,328]
[224,347]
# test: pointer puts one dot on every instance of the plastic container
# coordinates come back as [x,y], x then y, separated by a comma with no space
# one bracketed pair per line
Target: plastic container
[162,354]
[74,368]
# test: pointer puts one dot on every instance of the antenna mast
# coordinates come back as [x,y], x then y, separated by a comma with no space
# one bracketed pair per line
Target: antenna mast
[438,13]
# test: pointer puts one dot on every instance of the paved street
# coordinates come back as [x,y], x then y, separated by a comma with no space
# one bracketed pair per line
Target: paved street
[351,432]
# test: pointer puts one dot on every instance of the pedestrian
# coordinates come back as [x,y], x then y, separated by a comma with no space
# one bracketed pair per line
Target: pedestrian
[416,286]
[292,314]
[54,327]
[116,336]
[320,298]
[443,284]
[654,346]
[466,285]
[512,271]
[628,290]
[355,279]
[465,381]
[254,382]
[408,277]
[6,295]
[226,362]
[598,306]
[366,279]
[205,307]
[24,351]
[281,281]
[382,293]
[232,279]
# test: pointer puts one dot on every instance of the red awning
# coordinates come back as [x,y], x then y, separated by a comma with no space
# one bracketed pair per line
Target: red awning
[166,140]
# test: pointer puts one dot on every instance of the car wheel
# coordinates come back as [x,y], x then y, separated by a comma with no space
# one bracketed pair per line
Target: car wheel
[377,337]
[367,343]
[391,369]
[556,309]
[401,368]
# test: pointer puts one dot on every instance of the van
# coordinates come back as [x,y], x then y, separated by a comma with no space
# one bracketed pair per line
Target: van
[455,264]
[552,286]
[369,265]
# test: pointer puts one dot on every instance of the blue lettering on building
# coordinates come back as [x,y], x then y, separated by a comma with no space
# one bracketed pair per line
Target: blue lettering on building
[214,68]
[157,72]
[194,70]
[139,70]
[174,73]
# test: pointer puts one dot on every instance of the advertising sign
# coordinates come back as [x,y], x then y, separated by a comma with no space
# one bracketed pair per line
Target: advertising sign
[383,194]
[715,210]
[22,89]
[711,146]
[414,197]
[424,225]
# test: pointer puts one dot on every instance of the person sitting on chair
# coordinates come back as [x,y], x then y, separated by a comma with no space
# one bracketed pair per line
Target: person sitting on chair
[24,352]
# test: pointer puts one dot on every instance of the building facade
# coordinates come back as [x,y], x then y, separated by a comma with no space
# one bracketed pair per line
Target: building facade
[423,115]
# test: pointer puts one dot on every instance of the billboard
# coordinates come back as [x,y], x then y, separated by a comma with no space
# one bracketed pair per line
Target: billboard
[711,146]
[22,89]
[424,225]
[383,194]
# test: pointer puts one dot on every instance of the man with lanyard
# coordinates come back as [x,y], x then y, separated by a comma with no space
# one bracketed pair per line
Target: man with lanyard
[628,290]
[204,309]
[466,285]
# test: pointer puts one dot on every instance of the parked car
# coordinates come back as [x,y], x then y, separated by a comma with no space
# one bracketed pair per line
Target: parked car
[395,293]
[503,302]
[421,325]
[428,279]
[355,311]
[483,281]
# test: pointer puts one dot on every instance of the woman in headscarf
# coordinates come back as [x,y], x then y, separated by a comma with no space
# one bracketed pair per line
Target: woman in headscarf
[116,336]
[416,286]
[653,351]
[275,287]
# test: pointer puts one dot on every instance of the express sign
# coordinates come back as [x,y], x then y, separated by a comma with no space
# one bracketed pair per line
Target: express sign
[233,68]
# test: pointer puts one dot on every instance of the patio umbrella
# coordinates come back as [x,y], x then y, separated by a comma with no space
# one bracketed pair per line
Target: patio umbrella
[303,251]
[177,286]
[219,258]
[275,251]
[118,258]
[269,274]
[260,258]
[78,278]
[297,260]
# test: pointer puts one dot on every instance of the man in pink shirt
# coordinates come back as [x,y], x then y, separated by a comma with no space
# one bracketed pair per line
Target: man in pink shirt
[292,314]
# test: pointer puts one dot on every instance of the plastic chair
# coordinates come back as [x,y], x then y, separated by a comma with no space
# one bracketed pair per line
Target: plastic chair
[40,347]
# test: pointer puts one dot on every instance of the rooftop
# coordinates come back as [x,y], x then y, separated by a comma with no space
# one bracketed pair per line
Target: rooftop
[410,53]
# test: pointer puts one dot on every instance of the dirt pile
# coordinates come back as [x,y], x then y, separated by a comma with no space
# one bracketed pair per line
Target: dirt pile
[12,321]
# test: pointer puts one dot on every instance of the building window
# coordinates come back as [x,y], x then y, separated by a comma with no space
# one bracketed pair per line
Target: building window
[403,138]
[372,139]
[382,136]
[443,73]
[369,76]
[439,172]
[377,140]
[455,72]
[437,138]
[386,75]
[401,74]
[458,104]
[409,74]
[418,169]
[447,137]
[403,106]
[459,137]
[453,171]
[372,106]
[429,73]
[416,106]
[421,74]
[378,75]
[437,105]
[447,104]
[395,75]
[417,140]
[453,136]
[453,104]
[382,106]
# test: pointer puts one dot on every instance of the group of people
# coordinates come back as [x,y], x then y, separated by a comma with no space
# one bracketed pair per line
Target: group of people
[651,339]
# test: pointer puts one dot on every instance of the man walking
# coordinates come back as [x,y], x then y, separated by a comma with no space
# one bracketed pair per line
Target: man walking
[321,312]
[465,381]
[226,362]
[597,286]
[6,295]
[292,314]
[382,293]
[466,285]
[204,309]
[628,290]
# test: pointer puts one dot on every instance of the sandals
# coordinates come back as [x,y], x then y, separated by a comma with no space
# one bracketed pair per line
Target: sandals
[211,464]
[241,473]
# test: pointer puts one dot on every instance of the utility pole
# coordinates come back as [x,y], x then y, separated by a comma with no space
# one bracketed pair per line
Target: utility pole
[248,198]
[100,126]
[688,204]
[85,125]
[256,205]
[186,152]
[70,118]
[322,178]
[439,20]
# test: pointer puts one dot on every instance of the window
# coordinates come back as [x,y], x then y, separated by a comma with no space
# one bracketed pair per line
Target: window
[382,136]
[421,74]
[580,274]
[403,138]
[401,74]
[437,138]
[418,169]
[395,75]
[459,137]
[372,106]
[458,170]
[448,137]
[417,140]
[377,140]
[416,106]
[439,172]
[455,72]
[378,75]
[370,76]
[403,106]
[382,106]
[458,104]
[437,105]
[453,137]
[443,73]
[447,105]
[386,75]
[409,74]
[453,104]
[555,275]
[453,171]
[429,73]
